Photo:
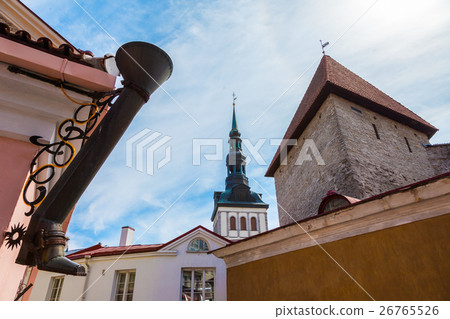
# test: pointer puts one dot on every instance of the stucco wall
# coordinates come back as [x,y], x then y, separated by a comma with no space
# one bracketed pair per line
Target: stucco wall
[15,161]
[158,277]
[408,262]
[222,220]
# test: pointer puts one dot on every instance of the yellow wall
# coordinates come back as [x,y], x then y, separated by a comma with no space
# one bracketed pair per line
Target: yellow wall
[408,262]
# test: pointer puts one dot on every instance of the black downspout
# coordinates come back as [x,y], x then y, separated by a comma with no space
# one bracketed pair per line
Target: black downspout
[144,68]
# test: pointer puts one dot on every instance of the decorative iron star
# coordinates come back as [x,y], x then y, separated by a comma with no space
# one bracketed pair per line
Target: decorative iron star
[14,237]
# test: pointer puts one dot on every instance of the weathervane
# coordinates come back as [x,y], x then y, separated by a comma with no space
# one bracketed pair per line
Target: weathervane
[323,46]
[234,98]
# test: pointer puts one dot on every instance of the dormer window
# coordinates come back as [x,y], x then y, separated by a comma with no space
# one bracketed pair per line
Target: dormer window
[334,201]
[198,244]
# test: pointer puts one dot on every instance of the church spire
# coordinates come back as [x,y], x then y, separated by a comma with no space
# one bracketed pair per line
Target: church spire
[238,211]
[236,158]
[234,129]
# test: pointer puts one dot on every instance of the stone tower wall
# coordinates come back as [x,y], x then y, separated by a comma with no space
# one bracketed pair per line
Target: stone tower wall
[300,188]
[439,156]
[357,163]
[395,159]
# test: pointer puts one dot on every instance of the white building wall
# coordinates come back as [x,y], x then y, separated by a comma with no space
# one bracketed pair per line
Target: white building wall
[158,276]
[225,213]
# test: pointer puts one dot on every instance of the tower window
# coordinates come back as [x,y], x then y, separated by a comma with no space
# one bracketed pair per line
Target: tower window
[243,223]
[356,110]
[407,144]
[232,223]
[376,131]
[253,223]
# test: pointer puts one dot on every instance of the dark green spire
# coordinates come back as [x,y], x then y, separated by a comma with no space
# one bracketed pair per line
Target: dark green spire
[234,129]
[236,158]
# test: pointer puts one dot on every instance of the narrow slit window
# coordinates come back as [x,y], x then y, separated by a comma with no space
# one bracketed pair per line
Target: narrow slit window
[356,110]
[376,131]
[407,144]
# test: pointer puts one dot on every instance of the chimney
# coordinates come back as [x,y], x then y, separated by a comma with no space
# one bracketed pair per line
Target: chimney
[126,237]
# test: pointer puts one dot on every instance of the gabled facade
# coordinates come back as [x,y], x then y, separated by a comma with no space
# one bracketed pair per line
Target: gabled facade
[238,211]
[181,269]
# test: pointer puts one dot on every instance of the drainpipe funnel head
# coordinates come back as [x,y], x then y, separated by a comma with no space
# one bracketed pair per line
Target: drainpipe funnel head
[143,65]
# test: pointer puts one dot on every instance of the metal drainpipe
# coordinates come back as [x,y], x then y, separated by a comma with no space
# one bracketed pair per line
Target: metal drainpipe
[144,68]
[86,280]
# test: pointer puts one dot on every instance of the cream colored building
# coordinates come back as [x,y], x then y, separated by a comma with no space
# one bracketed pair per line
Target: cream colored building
[393,246]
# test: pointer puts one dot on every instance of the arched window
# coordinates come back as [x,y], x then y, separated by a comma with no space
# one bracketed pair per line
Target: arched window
[232,223]
[243,223]
[253,223]
[198,244]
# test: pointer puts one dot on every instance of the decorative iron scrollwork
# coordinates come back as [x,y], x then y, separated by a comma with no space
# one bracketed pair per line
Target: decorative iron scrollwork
[14,237]
[62,152]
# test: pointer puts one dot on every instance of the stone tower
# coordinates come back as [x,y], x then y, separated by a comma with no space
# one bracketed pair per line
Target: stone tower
[369,144]
[238,211]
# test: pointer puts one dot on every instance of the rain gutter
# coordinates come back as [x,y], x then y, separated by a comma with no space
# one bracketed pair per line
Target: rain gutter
[55,67]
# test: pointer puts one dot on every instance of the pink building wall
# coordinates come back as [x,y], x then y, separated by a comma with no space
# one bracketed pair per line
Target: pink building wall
[15,158]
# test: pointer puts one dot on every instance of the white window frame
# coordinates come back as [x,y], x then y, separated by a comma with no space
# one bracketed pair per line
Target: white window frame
[59,281]
[198,251]
[192,270]
[127,273]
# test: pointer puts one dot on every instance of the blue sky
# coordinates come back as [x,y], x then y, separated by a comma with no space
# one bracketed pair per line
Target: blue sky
[266,52]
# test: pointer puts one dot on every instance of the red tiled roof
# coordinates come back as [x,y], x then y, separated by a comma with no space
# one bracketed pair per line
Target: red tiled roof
[194,229]
[332,77]
[98,250]
[66,50]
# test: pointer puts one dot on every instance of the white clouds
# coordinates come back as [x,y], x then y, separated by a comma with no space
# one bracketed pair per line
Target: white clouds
[257,49]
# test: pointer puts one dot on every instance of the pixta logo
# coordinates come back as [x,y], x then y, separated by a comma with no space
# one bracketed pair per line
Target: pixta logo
[212,149]
[144,147]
